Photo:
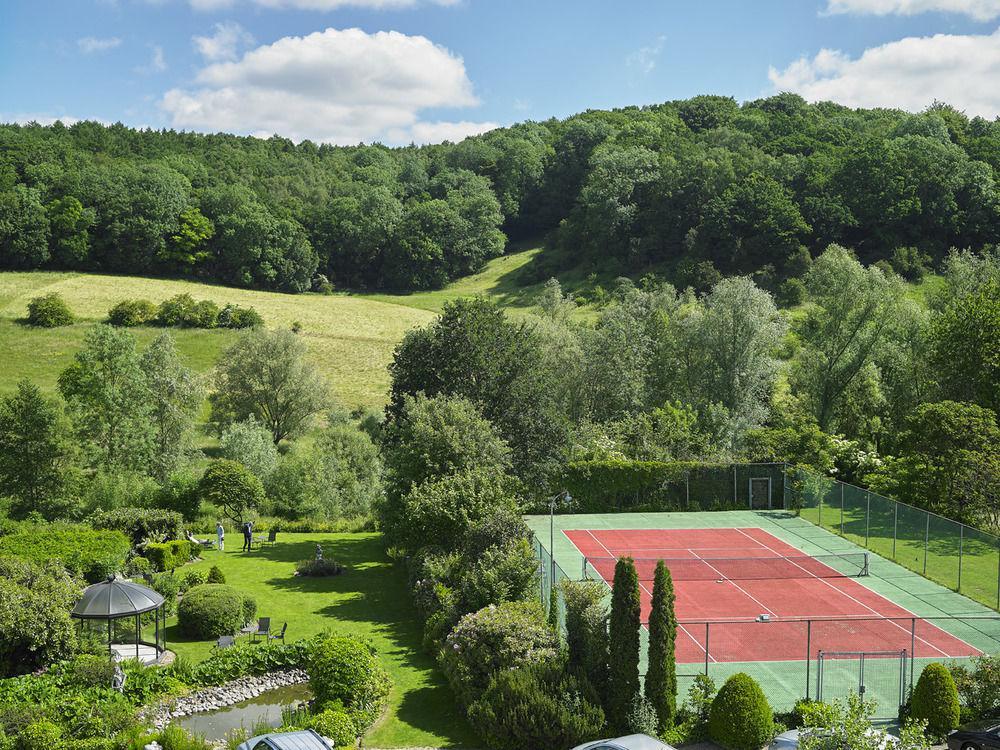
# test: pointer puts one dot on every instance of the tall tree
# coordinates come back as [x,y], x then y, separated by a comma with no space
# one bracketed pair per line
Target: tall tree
[853,309]
[499,369]
[266,374]
[232,487]
[175,397]
[35,452]
[661,674]
[623,656]
[24,229]
[108,399]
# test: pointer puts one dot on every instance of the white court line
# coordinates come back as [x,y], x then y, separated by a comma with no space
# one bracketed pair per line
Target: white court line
[738,587]
[857,601]
[681,627]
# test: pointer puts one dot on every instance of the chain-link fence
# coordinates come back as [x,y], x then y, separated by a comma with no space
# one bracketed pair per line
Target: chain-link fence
[960,557]
[830,657]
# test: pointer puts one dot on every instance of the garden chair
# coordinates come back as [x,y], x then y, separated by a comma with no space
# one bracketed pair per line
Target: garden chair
[272,535]
[263,629]
[226,641]
[279,636]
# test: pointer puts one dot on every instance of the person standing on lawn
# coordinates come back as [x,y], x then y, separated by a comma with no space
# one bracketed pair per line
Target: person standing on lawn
[247,536]
[220,534]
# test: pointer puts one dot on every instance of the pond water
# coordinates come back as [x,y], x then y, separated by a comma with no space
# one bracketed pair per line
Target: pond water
[266,707]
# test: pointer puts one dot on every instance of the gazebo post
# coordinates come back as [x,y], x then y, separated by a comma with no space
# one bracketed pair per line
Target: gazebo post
[111,651]
[137,636]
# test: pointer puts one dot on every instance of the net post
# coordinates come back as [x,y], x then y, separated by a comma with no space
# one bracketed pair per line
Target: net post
[841,508]
[868,515]
[961,550]
[584,577]
[913,644]
[866,570]
[808,653]
[707,626]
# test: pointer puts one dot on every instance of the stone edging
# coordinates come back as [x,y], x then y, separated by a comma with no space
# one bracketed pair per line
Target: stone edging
[221,696]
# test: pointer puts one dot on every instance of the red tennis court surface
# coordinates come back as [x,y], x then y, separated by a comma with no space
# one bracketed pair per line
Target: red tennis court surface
[849,615]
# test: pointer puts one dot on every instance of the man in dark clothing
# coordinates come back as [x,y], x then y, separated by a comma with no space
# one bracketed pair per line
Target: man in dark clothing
[247,536]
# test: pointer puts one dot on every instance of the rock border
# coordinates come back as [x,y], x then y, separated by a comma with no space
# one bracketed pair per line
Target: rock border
[221,696]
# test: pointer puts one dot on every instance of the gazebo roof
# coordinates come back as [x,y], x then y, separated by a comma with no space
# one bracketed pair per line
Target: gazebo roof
[113,598]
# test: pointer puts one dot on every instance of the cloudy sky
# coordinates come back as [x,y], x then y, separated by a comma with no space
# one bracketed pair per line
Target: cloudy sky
[346,71]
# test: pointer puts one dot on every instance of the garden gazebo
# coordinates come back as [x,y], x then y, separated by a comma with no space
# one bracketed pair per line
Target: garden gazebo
[115,599]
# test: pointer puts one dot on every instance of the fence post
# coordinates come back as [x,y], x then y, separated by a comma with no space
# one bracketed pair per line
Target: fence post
[821,496]
[895,526]
[687,489]
[706,648]
[808,653]
[998,574]
[927,540]
[736,496]
[841,508]
[961,550]
[868,515]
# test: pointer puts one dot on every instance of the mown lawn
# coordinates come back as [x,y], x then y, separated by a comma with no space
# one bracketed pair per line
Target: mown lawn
[370,600]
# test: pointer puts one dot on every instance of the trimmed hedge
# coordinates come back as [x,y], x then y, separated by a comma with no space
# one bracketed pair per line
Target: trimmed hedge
[170,555]
[210,610]
[741,718]
[85,552]
[935,699]
[611,485]
[140,524]
[49,311]
[345,671]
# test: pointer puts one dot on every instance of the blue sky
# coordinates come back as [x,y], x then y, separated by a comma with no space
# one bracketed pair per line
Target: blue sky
[398,70]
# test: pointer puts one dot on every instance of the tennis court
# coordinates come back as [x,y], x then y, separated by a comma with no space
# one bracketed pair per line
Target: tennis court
[839,618]
[743,573]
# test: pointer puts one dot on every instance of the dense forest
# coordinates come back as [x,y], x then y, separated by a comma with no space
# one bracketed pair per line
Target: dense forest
[695,189]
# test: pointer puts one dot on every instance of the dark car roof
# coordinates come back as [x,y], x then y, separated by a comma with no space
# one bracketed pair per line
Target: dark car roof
[986,725]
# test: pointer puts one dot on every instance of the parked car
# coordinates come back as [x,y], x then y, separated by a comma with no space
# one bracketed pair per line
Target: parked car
[977,735]
[790,740]
[305,739]
[631,742]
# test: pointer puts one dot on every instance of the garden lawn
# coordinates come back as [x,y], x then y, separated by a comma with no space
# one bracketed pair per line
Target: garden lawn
[371,600]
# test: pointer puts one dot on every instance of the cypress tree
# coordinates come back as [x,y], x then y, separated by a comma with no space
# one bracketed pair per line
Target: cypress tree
[623,656]
[661,677]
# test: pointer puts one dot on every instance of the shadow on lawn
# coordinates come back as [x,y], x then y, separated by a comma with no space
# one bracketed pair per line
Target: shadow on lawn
[372,592]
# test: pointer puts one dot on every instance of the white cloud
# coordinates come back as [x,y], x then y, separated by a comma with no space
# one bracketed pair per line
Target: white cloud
[909,74]
[90,44]
[644,59]
[227,41]
[981,10]
[157,62]
[320,5]
[436,132]
[337,86]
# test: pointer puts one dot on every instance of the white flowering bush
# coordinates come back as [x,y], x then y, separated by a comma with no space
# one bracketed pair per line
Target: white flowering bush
[496,638]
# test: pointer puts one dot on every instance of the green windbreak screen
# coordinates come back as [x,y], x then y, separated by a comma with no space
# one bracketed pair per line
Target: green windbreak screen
[981,566]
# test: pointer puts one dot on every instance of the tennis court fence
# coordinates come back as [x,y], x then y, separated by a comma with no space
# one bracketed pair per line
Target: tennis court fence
[953,554]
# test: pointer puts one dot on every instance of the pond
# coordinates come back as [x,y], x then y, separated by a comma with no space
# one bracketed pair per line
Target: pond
[266,707]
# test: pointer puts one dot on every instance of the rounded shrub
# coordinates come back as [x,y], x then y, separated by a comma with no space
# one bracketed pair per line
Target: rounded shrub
[538,706]
[210,610]
[215,575]
[336,726]
[741,718]
[494,639]
[49,311]
[935,699]
[132,312]
[345,669]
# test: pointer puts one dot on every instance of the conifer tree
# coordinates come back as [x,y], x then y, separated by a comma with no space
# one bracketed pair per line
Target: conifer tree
[661,677]
[623,657]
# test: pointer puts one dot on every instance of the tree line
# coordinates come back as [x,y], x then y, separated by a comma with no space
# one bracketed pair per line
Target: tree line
[696,189]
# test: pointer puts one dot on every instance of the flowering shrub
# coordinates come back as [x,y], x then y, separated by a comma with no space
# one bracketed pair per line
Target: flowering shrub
[496,638]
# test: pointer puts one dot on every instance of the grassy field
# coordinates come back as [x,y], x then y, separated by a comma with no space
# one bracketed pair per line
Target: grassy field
[369,600]
[351,337]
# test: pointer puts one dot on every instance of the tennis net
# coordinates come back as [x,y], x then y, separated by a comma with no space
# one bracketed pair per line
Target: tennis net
[737,568]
